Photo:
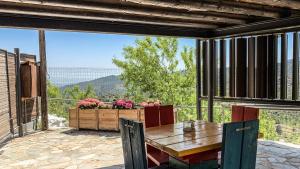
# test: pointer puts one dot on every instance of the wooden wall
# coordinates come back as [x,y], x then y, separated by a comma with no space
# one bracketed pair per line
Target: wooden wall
[8,101]
[12,88]
[4,102]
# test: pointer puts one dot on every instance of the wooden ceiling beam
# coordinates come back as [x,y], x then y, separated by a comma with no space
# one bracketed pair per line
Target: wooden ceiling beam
[125,10]
[62,24]
[203,6]
[292,4]
[77,15]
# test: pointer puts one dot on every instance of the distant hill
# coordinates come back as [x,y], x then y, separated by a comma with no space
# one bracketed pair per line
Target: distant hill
[103,86]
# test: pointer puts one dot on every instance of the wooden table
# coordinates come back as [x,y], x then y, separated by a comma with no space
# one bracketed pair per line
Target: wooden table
[172,140]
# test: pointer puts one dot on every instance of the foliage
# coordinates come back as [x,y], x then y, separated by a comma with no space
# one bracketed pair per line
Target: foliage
[150,70]
[55,106]
[76,93]
[59,101]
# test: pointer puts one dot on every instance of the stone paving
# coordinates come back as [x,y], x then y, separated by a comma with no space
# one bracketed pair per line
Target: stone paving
[71,149]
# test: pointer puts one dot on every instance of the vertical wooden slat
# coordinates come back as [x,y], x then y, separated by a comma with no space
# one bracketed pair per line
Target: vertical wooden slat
[261,67]
[18,93]
[211,57]
[241,67]
[295,93]
[8,92]
[232,68]
[251,68]
[204,68]
[215,71]
[283,74]
[276,49]
[222,70]
[43,83]
[272,67]
[198,76]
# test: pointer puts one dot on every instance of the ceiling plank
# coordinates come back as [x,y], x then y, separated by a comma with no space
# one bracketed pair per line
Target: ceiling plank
[74,5]
[203,6]
[265,27]
[292,4]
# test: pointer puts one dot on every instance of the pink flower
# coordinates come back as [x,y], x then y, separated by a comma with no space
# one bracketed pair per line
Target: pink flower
[144,104]
[128,106]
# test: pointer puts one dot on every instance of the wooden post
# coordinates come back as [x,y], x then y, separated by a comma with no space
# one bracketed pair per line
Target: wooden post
[198,75]
[18,93]
[43,76]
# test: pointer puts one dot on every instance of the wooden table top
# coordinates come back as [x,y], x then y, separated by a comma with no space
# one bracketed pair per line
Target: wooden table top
[172,140]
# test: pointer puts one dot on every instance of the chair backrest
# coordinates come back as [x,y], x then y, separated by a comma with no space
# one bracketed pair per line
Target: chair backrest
[244,113]
[166,114]
[151,114]
[132,133]
[239,145]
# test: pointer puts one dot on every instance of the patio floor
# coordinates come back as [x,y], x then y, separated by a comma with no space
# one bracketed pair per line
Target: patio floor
[70,149]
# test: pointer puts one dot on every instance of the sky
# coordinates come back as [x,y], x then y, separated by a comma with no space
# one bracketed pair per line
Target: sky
[74,49]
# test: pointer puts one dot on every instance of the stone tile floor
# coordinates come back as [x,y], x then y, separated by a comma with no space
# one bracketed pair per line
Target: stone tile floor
[71,149]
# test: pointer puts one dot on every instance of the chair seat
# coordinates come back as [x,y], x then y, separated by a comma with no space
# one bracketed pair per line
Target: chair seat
[158,157]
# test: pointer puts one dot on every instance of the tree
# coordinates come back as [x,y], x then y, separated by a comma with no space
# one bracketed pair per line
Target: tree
[150,70]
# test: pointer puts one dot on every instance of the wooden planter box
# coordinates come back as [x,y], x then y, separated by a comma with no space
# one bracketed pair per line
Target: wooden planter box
[73,122]
[108,119]
[132,114]
[83,119]
[103,119]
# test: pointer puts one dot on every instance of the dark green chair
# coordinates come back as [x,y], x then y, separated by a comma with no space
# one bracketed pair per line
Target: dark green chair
[132,133]
[239,145]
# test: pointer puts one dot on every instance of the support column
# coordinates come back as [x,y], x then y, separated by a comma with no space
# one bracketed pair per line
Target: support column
[198,76]
[18,93]
[43,77]
[211,72]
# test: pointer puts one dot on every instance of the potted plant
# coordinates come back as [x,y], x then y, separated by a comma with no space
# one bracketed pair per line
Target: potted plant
[126,109]
[86,114]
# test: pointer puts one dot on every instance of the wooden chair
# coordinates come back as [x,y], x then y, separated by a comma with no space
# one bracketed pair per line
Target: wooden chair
[244,113]
[166,114]
[151,114]
[134,145]
[239,145]
[155,156]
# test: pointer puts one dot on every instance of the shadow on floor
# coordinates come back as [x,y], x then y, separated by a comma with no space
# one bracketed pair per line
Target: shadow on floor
[113,167]
[74,132]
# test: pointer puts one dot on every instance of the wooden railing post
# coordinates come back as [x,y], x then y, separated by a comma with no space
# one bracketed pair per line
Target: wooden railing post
[43,77]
